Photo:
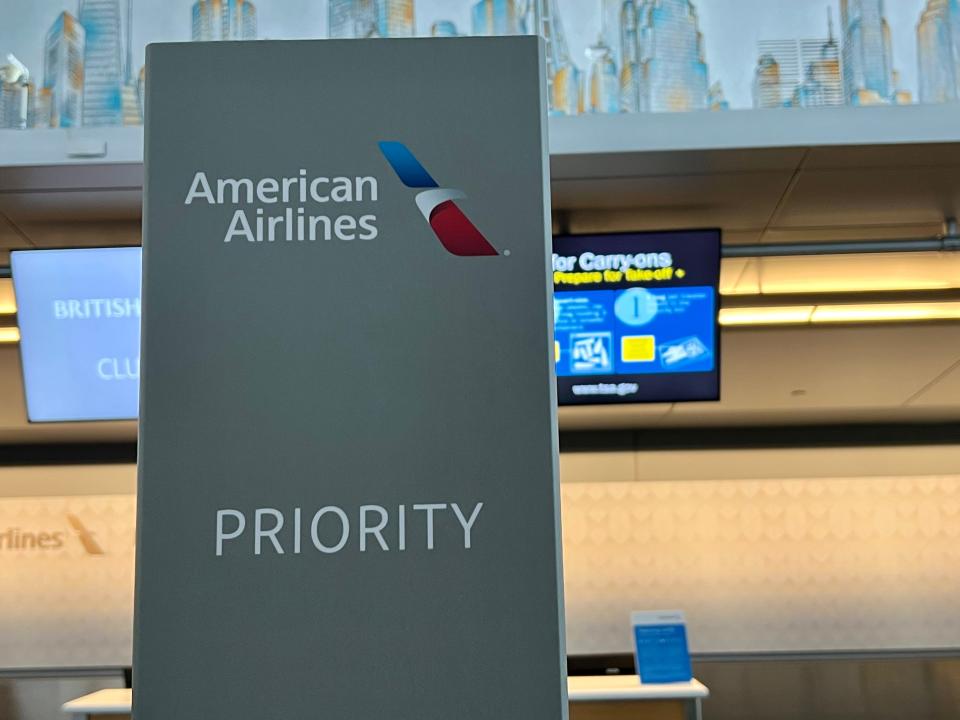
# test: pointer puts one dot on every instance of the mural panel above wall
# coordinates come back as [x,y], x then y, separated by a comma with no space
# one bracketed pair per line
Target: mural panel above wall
[79,63]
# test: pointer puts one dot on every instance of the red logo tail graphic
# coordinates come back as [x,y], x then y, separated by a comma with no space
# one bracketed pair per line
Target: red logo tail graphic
[456,233]
[453,229]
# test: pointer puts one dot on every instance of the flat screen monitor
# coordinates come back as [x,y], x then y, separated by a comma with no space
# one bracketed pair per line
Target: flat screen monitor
[79,317]
[636,317]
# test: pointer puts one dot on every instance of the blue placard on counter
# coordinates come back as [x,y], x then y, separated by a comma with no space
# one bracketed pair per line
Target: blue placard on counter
[660,641]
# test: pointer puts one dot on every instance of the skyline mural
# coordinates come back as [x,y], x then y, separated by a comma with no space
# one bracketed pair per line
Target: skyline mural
[80,62]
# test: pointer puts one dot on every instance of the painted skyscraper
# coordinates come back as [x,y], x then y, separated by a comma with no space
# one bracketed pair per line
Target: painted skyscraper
[142,88]
[604,83]
[822,81]
[128,41]
[716,99]
[767,82]
[867,53]
[340,19]
[499,17]
[564,79]
[443,28]
[15,105]
[63,54]
[807,73]
[207,19]
[242,20]
[103,62]
[352,18]
[630,57]
[609,14]
[130,102]
[674,73]
[41,108]
[224,20]
[395,18]
[938,51]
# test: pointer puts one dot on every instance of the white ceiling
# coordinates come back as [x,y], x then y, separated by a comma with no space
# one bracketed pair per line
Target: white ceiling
[757,192]
[70,206]
[755,196]
[766,196]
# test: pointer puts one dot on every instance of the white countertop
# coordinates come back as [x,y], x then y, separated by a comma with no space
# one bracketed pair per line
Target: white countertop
[102,702]
[598,688]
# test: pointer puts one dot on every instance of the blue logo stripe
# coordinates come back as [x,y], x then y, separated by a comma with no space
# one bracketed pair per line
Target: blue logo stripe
[411,172]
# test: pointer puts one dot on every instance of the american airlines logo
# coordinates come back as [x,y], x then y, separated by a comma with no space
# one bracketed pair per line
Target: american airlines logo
[16,539]
[311,208]
[454,230]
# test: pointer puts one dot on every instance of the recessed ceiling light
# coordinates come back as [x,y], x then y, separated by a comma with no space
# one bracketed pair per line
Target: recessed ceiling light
[9,334]
[843,313]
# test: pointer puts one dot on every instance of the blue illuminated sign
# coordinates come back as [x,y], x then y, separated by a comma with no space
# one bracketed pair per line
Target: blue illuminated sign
[79,317]
[635,317]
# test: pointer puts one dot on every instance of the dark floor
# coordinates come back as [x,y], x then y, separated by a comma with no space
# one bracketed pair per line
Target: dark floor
[832,689]
[38,696]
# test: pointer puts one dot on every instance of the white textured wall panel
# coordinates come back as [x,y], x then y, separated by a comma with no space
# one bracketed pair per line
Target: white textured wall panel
[759,565]
[766,565]
[66,581]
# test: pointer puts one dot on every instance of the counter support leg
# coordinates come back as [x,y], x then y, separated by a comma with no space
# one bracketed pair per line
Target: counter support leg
[694,709]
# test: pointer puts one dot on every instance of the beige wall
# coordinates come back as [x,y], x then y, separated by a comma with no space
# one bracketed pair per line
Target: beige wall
[70,602]
[783,549]
[780,549]
[66,581]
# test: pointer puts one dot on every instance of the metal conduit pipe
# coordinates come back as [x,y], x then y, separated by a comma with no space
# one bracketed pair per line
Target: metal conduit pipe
[946,243]
[949,242]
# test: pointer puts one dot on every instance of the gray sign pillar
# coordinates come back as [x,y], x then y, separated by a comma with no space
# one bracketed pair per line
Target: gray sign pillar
[348,500]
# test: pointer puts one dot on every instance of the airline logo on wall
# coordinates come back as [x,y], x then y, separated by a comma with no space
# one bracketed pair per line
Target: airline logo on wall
[454,230]
[67,566]
[73,532]
[313,208]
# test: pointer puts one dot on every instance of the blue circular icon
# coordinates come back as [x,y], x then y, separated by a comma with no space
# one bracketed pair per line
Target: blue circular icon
[636,307]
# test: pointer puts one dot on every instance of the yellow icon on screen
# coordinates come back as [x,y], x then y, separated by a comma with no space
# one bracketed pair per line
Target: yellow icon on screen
[638,348]
[556,351]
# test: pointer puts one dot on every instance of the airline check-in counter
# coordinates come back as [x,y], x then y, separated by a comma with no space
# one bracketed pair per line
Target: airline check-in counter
[111,704]
[591,698]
